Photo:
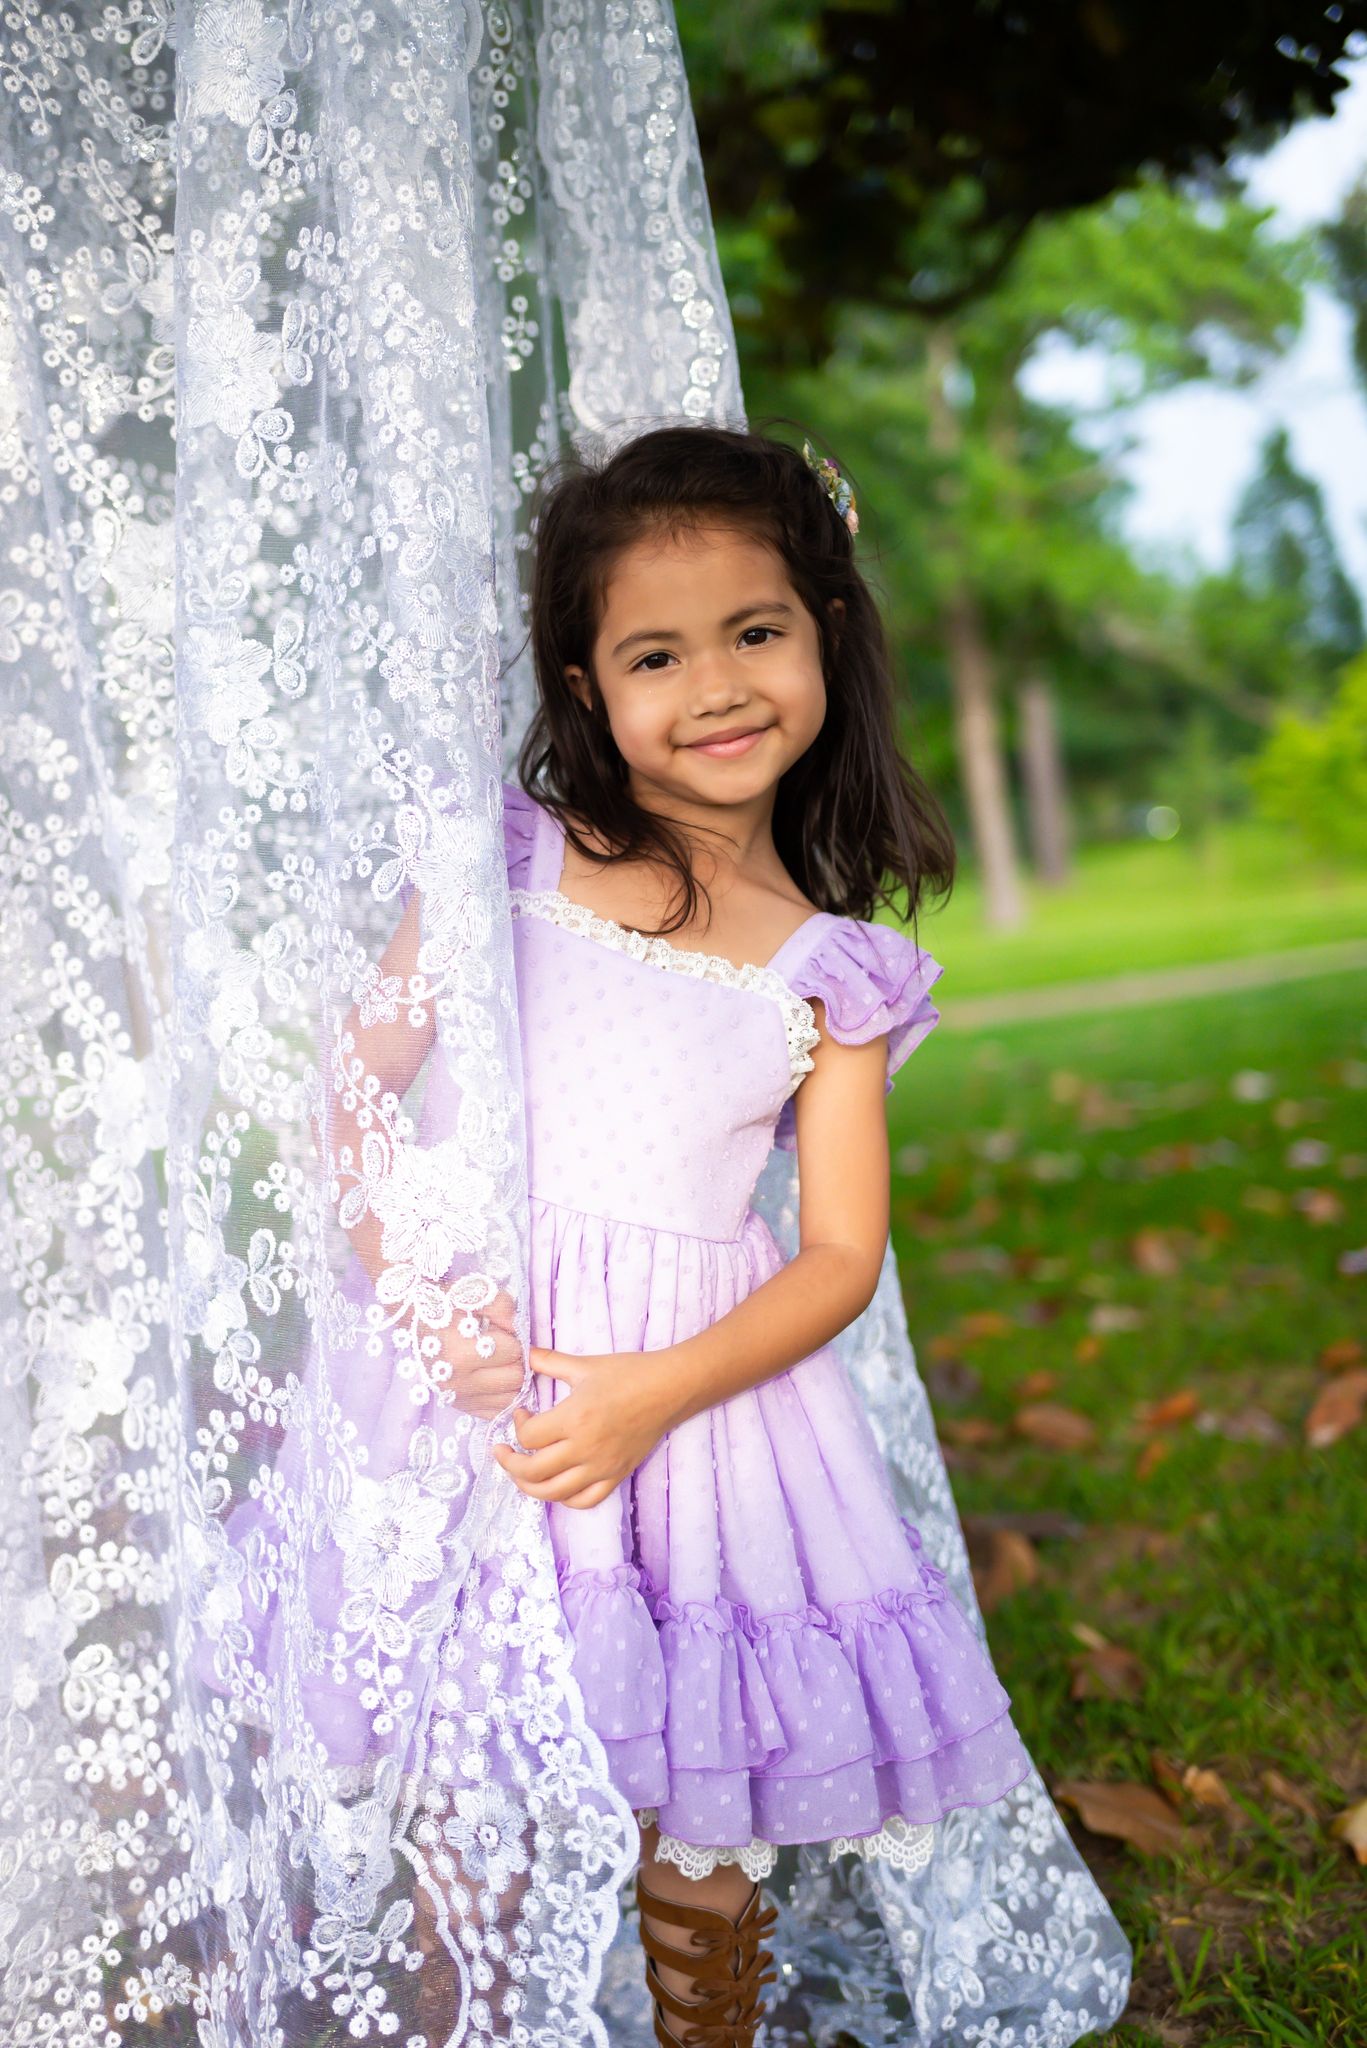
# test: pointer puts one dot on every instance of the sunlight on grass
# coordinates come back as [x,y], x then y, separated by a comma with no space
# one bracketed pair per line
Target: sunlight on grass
[1148,905]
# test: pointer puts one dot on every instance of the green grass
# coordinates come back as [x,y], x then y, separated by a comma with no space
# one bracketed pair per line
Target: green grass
[1028,1160]
[1149,904]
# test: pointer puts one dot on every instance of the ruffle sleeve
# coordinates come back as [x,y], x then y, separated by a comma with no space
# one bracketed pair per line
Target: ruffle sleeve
[872,980]
[519,832]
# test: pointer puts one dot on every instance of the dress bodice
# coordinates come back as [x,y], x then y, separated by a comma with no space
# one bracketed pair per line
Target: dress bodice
[656,1077]
[651,1091]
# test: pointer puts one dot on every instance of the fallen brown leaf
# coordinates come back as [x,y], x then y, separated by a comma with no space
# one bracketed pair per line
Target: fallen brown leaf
[1207,1788]
[1056,1428]
[1087,1350]
[1106,1671]
[1152,1251]
[1216,1223]
[1351,1827]
[1337,1408]
[1286,1794]
[971,1431]
[1043,1310]
[1035,1385]
[951,1382]
[1151,1457]
[1132,1813]
[1320,1205]
[1009,1562]
[1179,1407]
[1343,1353]
[984,1322]
[1024,1260]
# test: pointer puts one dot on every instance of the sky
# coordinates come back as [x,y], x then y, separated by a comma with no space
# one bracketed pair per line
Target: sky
[1195,449]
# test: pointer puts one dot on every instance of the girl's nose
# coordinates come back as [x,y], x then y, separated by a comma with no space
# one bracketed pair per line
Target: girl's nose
[718,683]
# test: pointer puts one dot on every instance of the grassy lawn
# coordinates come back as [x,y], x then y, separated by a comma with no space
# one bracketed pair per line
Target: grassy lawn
[1097,1215]
[1149,904]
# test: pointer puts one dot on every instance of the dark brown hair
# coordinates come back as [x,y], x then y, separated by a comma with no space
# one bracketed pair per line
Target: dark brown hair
[853,822]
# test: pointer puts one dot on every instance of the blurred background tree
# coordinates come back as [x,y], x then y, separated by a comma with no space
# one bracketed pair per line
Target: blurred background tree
[913,202]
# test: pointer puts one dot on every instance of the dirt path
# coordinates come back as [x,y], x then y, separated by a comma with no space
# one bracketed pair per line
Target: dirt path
[1128,991]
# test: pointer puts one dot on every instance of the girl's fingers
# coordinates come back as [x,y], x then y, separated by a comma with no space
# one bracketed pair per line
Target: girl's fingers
[538,1431]
[592,1496]
[542,1465]
[495,1381]
[571,1482]
[555,1365]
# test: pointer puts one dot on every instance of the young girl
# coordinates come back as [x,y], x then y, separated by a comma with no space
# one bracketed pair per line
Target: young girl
[714,806]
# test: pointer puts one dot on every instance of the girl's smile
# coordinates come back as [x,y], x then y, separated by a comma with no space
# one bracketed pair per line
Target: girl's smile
[724,748]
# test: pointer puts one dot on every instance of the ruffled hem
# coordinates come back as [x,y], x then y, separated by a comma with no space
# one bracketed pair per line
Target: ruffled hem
[793,1727]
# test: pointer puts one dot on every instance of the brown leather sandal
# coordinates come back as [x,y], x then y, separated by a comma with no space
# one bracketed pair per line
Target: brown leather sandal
[728,1965]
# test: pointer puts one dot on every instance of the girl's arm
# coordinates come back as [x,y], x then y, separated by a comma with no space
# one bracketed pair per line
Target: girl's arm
[392,1047]
[391,1050]
[617,1411]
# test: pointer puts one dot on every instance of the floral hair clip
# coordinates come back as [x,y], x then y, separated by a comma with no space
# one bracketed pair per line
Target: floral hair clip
[835,486]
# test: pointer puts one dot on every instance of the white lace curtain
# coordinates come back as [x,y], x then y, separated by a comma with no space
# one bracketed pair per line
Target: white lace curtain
[294,301]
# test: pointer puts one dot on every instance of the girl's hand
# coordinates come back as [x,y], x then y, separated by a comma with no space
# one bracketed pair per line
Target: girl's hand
[485,1386]
[585,1445]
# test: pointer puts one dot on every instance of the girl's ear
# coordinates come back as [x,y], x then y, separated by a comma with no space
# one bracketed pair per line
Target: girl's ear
[579,683]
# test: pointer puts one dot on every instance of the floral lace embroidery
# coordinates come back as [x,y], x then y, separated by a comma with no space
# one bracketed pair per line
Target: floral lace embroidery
[905,1845]
[798,1018]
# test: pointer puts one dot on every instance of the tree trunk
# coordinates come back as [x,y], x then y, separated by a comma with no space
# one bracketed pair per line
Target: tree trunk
[982,761]
[982,758]
[1044,776]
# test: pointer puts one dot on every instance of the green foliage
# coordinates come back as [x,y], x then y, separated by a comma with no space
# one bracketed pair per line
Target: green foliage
[1312,773]
[896,153]
[1345,244]
[1284,548]
[1172,286]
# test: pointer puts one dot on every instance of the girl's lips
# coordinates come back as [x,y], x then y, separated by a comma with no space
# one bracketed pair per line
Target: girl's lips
[726,748]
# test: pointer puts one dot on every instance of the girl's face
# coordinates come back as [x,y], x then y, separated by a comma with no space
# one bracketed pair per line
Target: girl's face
[709,665]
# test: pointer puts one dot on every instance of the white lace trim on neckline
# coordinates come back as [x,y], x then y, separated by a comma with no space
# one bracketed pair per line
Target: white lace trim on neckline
[798,1016]
[905,1845]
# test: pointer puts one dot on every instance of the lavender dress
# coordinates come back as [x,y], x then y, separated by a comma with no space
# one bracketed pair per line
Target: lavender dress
[762,1648]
